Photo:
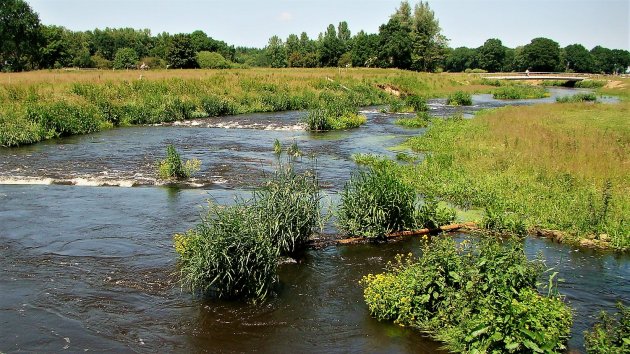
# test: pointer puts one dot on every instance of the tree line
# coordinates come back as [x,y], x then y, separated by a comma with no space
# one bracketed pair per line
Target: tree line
[411,39]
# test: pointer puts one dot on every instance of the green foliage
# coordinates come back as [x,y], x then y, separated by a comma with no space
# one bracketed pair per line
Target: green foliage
[212,60]
[475,297]
[180,54]
[233,252]
[277,147]
[172,168]
[519,92]
[421,120]
[125,58]
[16,130]
[288,207]
[459,98]
[578,97]
[375,203]
[492,55]
[216,106]
[542,54]
[418,103]
[591,84]
[611,333]
[228,255]
[20,36]
[498,218]
[65,118]
[334,114]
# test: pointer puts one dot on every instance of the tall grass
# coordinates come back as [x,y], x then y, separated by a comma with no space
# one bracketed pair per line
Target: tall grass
[173,168]
[334,113]
[579,97]
[233,251]
[102,99]
[549,166]
[519,92]
[459,98]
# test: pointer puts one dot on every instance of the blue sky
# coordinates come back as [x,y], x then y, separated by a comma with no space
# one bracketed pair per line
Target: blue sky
[251,23]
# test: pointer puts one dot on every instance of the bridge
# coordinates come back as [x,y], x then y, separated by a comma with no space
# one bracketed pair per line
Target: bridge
[569,77]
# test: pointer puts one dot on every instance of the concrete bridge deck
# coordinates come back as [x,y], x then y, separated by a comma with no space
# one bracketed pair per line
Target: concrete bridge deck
[538,76]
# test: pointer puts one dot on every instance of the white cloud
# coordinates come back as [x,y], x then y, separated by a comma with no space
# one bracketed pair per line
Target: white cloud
[285,16]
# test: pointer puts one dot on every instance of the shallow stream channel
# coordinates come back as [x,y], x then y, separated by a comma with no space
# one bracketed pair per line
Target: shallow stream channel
[88,262]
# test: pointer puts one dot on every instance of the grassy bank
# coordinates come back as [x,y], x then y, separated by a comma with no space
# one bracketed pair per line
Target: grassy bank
[558,166]
[36,106]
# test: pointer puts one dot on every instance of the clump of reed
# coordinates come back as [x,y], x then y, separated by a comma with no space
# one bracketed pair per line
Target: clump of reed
[578,97]
[172,167]
[334,113]
[233,252]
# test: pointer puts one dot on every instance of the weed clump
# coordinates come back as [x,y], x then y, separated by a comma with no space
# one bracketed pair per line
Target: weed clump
[233,252]
[459,98]
[172,168]
[579,97]
[475,297]
[421,120]
[519,92]
[334,114]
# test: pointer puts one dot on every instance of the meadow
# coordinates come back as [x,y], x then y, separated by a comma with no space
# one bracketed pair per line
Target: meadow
[41,105]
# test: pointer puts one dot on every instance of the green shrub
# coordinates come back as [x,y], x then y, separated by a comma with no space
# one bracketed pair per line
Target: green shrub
[421,120]
[476,297]
[375,203]
[432,215]
[578,97]
[419,104]
[519,92]
[288,207]
[610,334]
[490,82]
[228,255]
[125,58]
[459,98]
[212,60]
[176,109]
[173,168]
[498,218]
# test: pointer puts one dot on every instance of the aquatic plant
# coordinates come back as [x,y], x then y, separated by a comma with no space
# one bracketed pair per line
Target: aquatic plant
[578,97]
[417,103]
[334,113]
[475,297]
[215,106]
[592,84]
[288,204]
[229,254]
[611,333]
[173,168]
[233,251]
[421,120]
[277,147]
[519,92]
[375,203]
[459,98]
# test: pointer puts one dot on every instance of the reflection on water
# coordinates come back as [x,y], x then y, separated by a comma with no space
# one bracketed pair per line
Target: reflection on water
[94,268]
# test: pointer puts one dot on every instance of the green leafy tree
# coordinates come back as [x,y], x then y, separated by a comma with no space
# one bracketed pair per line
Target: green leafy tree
[491,55]
[621,60]
[428,44]
[345,36]
[542,54]
[395,45]
[578,58]
[331,47]
[125,58]
[200,41]
[180,53]
[20,36]
[365,49]
[460,59]
[276,53]
[55,51]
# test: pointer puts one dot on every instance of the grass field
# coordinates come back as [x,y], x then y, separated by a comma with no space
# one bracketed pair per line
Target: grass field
[40,105]
[556,166]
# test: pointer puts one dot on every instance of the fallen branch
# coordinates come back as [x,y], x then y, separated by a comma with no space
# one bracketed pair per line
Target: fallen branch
[419,232]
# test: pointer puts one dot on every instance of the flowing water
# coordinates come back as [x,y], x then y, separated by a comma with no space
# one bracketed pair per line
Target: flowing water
[89,266]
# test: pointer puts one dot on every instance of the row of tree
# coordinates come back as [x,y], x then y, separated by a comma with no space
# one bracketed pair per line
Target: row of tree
[411,39]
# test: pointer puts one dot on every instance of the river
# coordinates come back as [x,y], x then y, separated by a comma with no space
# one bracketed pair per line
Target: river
[88,262]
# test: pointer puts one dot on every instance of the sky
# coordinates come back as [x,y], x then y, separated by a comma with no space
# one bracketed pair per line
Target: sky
[251,23]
